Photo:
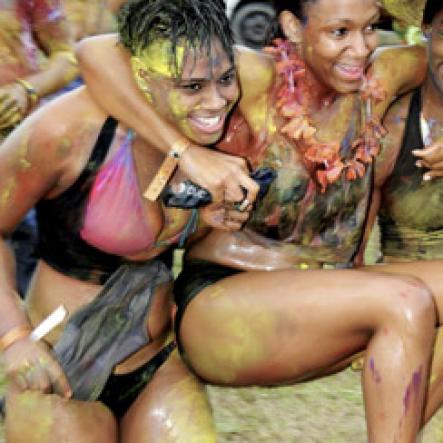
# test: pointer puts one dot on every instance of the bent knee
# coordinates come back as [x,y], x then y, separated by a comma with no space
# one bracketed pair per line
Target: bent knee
[411,302]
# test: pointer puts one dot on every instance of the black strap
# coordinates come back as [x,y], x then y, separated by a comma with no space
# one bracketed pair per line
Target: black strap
[412,138]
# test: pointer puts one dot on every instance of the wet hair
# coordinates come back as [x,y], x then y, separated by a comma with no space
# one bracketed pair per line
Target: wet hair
[432,8]
[193,23]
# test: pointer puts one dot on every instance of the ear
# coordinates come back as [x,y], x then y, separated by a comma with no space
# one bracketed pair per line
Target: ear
[141,76]
[291,27]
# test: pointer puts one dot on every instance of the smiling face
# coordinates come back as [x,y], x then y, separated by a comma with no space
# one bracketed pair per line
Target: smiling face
[337,39]
[199,100]
[435,51]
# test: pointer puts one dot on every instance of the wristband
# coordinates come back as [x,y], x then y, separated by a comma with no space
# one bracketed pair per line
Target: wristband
[30,91]
[166,169]
[14,335]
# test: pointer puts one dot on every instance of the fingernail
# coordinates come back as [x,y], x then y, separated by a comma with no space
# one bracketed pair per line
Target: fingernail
[418,164]
[426,178]
[68,394]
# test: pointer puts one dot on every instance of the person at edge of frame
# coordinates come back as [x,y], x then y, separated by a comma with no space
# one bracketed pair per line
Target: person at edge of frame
[110,372]
[37,60]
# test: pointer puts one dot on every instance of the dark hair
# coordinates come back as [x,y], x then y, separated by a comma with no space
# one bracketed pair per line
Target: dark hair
[190,22]
[432,8]
[297,7]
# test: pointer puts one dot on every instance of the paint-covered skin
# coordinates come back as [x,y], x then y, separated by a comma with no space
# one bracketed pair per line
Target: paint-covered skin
[67,140]
[90,17]
[281,326]
[19,22]
[332,224]
[42,162]
[411,219]
[198,107]
[410,214]
[329,223]
[35,48]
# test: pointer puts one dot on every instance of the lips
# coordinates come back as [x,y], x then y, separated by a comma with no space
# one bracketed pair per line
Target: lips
[208,124]
[350,72]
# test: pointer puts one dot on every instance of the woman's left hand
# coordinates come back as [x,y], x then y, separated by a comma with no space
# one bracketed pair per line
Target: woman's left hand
[430,157]
[226,216]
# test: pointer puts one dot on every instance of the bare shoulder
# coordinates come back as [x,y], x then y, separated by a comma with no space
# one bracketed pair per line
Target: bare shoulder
[398,69]
[391,54]
[50,144]
[67,118]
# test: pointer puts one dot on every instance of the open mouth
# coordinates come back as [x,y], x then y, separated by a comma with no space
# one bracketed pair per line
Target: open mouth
[350,72]
[208,125]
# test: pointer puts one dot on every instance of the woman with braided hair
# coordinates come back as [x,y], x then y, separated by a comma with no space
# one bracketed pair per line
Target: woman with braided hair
[111,373]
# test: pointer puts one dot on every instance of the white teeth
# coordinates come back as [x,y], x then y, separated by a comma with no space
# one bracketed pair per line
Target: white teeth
[351,68]
[208,121]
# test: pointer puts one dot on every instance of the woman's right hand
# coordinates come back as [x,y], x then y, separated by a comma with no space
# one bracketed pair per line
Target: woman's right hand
[31,366]
[225,176]
[13,105]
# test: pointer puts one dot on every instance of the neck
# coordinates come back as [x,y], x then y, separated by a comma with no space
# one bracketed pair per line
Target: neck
[320,96]
[432,99]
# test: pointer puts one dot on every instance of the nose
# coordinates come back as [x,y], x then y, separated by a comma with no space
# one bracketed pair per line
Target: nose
[361,45]
[214,99]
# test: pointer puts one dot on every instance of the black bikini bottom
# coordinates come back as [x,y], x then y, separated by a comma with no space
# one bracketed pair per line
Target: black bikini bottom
[122,390]
[195,276]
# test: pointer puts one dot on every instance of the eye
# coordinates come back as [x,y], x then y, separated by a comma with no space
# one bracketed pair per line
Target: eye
[228,79]
[371,28]
[191,87]
[340,32]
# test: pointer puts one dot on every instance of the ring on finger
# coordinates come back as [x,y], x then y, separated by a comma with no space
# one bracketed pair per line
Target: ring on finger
[243,205]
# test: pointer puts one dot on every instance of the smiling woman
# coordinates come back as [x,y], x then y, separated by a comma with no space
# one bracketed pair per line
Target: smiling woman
[198,99]
[104,247]
[257,306]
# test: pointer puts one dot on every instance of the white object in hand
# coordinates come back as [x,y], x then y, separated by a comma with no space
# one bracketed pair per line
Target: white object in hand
[49,323]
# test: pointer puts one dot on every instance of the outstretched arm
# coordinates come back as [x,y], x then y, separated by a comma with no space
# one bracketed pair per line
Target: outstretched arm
[52,35]
[116,91]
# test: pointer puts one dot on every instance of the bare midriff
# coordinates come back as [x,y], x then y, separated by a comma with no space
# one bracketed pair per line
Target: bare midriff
[50,289]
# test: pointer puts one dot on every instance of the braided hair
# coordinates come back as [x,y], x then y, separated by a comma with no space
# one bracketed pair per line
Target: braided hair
[192,23]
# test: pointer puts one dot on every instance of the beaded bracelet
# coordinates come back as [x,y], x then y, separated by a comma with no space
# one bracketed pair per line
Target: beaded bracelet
[33,97]
[166,169]
[14,335]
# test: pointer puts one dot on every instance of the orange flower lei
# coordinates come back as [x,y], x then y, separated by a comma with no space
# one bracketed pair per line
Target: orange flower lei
[322,160]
